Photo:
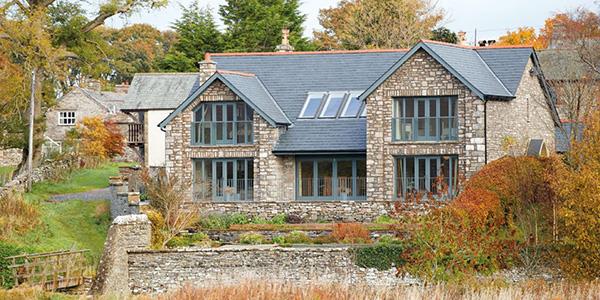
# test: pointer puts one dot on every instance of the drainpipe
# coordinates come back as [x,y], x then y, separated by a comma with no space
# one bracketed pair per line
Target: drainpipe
[485,130]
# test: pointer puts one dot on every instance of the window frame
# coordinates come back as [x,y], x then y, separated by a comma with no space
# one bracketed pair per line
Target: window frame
[330,96]
[212,163]
[197,127]
[61,119]
[308,98]
[399,118]
[335,192]
[453,167]
[349,97]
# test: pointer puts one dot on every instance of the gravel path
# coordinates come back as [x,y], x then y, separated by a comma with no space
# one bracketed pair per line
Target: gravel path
[85,196]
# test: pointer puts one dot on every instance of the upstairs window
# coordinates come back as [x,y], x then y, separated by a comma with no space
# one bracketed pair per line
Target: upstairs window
[66,118]
[222,123]
[425,119]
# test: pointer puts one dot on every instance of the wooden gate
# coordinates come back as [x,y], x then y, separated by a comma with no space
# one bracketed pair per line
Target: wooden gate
[51,271]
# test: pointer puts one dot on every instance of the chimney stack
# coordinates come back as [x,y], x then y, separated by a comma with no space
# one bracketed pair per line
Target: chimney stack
[462,38]
[559,36]
[122,88]
[207,68]
[285,42]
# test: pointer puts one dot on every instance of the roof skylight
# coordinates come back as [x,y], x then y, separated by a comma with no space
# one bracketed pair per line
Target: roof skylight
[332,105]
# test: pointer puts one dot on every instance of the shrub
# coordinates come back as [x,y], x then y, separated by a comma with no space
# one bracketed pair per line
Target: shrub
[351,233]
[252,238]
[16,215]
[389,239]
[223,221]
[188,240]
[114,144]
[167,212]
[297,237]
[385,219]
[379,256]
[578,186]
[278,219]
[7,250]
[280,240]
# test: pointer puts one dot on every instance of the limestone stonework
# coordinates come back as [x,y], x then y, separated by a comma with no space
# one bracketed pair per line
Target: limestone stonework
[420,75]
[511,124]
[269,170]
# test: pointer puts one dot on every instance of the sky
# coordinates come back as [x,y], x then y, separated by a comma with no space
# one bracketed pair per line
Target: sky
[491,18]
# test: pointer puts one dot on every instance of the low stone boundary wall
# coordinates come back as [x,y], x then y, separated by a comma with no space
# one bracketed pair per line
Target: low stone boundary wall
[44,172]
[315,211]
[160,271]
[231,236]
[10,157]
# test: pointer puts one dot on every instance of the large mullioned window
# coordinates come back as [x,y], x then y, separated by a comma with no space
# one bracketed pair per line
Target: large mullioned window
[426,177]
[223,179]
[331,178]
[221,123]
[425,119]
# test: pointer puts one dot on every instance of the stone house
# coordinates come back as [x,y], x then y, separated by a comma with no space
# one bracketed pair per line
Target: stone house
[353,130]
[79,103]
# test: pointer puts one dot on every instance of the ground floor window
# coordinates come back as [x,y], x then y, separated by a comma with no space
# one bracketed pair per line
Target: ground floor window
[426,177]
[331,178]
[223,179]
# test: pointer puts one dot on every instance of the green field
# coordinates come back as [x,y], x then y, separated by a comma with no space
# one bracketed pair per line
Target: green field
[74,223]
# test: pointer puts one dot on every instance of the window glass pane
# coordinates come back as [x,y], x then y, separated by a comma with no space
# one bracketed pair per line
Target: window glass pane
[206,136]
[207,112]
[444,109]
[305,185]
[433,175]
[219,112]
[453,106]
[409,108]
[241,112]
[219,131]
[229,126]
[241,132]
[312,107]
[198,113]
[229,113]
[352,107]
[361,177]
[400,177]
[410,179]
[324,180]
[344,175]
[332,106]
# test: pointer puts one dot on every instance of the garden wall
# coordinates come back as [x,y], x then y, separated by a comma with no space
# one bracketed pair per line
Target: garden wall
[127,264]
[10,157]
[316,211]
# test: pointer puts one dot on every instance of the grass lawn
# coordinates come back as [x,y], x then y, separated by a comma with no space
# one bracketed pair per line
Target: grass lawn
[73,223]
[5,173]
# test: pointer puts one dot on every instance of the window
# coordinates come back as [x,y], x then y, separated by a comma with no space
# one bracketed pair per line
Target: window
[66,118]
[426,177]
[312,106]
[425,119]
[332,106]
[223,179]
[353,105]
[339,178]
[222,123]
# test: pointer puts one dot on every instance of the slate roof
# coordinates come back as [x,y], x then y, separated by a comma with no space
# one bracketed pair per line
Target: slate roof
[107,99]
[323,136]
[159,90]
[508,64]
[563,136]
[248,87]
[289,77]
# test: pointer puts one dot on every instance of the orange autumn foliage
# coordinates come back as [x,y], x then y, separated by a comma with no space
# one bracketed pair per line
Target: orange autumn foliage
[100,140]
[114,144]
[351,233]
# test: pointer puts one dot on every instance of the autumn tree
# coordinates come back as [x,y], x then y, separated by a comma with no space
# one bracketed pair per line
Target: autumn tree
[256,25]
[30,36]
[365,24]
[522,36]
[197,33]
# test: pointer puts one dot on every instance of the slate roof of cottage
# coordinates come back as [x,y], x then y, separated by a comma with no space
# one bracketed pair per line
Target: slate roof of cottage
[282,82]
[107,99]
[160,90]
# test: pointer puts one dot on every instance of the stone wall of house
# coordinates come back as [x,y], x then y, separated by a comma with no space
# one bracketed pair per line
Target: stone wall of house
[511,124]
[420,75]
[315,211]
[10,157]
[75,101]
[268,168]
[160,271]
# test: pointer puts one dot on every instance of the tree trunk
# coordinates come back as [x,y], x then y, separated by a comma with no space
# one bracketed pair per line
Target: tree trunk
[38,132]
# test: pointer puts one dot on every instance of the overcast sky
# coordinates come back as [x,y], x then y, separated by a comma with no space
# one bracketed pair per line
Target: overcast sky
[491,18]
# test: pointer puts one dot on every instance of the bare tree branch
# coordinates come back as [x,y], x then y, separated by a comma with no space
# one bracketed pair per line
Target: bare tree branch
[99,20]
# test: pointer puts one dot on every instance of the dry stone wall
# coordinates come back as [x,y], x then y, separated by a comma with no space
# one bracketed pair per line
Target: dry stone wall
[160,271]
[10,157]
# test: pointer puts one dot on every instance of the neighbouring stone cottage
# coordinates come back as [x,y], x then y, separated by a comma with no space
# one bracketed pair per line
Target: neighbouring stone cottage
[306,132]
[82,102]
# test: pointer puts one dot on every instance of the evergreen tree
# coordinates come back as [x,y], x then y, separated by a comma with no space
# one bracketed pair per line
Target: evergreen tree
[198,34]
[255,25]
[444,34]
